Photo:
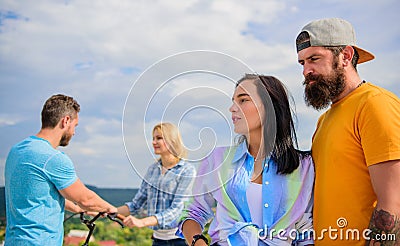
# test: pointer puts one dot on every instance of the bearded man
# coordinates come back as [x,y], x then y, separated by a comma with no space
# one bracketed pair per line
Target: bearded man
[40,181]
[356,144]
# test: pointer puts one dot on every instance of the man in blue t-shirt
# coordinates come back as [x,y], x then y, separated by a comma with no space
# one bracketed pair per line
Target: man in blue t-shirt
[40,181]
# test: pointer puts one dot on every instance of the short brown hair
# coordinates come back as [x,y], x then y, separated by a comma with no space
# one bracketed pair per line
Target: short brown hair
[56,107]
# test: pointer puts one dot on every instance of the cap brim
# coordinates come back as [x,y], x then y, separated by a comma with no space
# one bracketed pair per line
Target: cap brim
[364,55]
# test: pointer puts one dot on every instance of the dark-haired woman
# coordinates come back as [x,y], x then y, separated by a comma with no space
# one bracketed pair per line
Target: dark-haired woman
[261,188]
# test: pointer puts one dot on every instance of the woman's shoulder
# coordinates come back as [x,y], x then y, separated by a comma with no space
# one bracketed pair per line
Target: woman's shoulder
[217,156]
[224,151]
[186,165]
[225,147]
[306,160]
[154,165]
[304,153]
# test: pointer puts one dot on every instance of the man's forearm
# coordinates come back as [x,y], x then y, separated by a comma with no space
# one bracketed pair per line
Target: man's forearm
[385,229]
[385,220]
[86,198]
[72,207]
[94,202]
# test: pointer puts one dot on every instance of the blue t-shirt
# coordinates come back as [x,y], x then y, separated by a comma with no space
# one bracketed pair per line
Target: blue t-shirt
[34,174]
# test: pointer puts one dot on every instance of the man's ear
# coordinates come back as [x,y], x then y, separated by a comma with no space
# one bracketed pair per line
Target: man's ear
[348,53]
[65,121]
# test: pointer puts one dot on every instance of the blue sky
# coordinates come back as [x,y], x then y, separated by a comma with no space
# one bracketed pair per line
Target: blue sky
[127,63]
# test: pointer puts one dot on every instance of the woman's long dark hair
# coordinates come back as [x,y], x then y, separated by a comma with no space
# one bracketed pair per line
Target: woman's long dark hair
[278,122]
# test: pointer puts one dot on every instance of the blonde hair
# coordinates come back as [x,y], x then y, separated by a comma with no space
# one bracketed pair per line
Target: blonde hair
[172,138]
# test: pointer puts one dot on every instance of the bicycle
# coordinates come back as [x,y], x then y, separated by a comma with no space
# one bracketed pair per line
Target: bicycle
[90,224]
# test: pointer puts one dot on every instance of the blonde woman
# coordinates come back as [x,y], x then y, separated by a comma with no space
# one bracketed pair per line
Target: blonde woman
[164,188]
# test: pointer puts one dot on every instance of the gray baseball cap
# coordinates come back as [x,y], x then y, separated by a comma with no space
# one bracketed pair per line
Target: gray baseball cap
[332,32]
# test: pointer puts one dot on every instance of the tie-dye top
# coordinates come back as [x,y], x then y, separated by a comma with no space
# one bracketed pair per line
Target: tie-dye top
[221,184]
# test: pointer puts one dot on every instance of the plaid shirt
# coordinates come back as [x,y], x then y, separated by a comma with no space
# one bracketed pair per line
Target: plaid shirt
[164,194]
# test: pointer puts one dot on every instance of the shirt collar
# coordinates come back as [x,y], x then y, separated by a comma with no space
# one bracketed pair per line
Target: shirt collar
[180,163]
[241,151]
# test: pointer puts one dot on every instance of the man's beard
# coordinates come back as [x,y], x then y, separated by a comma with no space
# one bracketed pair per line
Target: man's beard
[65,138]
[325,89]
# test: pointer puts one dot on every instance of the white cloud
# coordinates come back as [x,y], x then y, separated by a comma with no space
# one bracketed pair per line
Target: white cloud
[98,153]
[10,119]
[210,87]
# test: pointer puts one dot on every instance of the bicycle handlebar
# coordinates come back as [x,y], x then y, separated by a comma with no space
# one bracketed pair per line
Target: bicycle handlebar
[91,225]
[117,218]
[111,216]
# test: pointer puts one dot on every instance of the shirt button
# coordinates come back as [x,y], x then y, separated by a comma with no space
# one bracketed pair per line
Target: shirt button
[266,205]
[266,182]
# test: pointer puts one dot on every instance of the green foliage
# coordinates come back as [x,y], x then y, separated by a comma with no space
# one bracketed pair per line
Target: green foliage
[206,231]
[108,230]
[90,244]
[2,233]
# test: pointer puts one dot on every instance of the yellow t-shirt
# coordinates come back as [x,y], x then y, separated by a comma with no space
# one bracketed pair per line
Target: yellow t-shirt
[358,131]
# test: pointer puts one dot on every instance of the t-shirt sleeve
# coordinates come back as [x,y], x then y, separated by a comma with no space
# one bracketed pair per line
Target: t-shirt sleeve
[380,129]
[60,171]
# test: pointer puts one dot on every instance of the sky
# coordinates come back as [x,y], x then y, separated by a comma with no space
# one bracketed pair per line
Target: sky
[131,64]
